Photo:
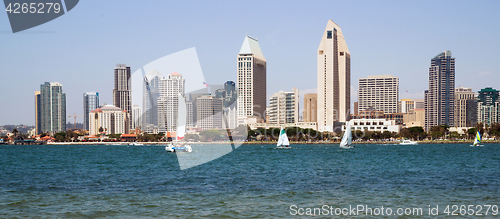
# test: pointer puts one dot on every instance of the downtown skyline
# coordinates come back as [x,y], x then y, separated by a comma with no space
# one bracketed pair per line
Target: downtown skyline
[397,52]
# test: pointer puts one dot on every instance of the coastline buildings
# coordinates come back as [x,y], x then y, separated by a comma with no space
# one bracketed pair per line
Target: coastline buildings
[465,107]
[334,78]
[112,120]
[310,108]
[50,108]
[122,92]
[90,102]
[440,98]
[488,106]
[284,107]
[251,66]
[379,93]
[151,92]
[168,102]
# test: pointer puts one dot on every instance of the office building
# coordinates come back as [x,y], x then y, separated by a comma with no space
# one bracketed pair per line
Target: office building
[334,78]
[406,105]
[465,107]
[136,116]
[151,92]
[122,92]
[90,102]
[310,108]
[50,104]
[284,107]
[252,91]
[168,101]
[440,98]
[488,106]
[379,93]
[414,117]
[110,119]
[209,112]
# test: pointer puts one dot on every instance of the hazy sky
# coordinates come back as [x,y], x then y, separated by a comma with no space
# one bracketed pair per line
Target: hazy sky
[81,48]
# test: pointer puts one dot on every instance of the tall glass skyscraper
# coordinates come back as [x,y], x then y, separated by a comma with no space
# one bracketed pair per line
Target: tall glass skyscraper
[440,98]
[122,92]
[50,108]
[90,102]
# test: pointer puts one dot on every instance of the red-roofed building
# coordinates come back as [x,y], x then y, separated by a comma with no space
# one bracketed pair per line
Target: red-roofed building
[128,137]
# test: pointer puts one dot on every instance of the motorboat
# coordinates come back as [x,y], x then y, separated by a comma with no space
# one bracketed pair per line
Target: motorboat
[408,142]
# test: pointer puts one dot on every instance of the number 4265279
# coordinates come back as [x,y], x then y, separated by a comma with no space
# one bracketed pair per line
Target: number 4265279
[32,8]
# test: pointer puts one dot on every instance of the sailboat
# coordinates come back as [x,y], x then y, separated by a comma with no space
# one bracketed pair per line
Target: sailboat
[177,145]
[477,141]
[347,138]
[283,140]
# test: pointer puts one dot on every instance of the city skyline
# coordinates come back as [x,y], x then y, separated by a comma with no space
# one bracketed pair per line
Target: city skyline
[39,54]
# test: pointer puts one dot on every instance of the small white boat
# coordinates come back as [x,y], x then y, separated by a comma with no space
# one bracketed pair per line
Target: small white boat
[177,145]
[477,141]
[346,142]
[136,144]
[408,142]
[283,140]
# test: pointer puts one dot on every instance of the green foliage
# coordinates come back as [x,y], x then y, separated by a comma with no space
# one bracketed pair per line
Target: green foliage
[101,129]
[210,135]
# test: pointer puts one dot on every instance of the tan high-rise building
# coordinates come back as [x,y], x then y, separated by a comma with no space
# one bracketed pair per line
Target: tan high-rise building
[122,92]
[465,107]
[251,82]
[406,105]
[334,78]
[310,108]
[379,93]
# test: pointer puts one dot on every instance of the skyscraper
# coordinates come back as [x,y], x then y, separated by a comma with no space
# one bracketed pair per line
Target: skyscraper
[168,101]
[51,108]
[310,108]
[209,112]
[151,92]
[378,93]
[136,114]
[284,107]
[440,98]
[488,106]
[122,92]
[465,107]
[334,78]
[251,82]
[90,103]
[38,114]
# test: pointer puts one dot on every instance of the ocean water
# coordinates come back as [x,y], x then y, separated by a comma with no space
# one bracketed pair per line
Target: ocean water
[254,181]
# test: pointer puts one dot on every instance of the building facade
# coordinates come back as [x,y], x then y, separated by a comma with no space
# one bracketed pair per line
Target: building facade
[465,107]
[112,120]
[90,102]
[151,92]
[414,117]
[284,107]
[209,112]
[334,78]
[440,98]
[122,92]
[136,116]
[488,106]
[251,66]
[310,113]
[406,105]
[168,102]
[50,108]
[379,125]
[378,92]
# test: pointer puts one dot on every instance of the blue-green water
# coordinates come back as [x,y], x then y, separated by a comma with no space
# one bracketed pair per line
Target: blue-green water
[254,181]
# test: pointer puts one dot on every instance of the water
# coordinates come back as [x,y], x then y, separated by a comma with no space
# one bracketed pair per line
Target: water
[255,181]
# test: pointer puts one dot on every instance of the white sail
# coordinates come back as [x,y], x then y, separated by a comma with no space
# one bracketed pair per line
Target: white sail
[283,139]
[181,119]
[347,138]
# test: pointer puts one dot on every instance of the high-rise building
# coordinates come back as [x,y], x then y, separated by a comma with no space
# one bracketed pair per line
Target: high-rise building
[90,102]
[488,106]
[310,108]
[251,66]
[168,101]
[122,92]
[50,108]
[334,78]
[229,95]
[209,112]
[151,92]
[136,115]
[38,114]
[379,93]
[110,119]
[284,107]
[440,98]
[465,107]
[406,105]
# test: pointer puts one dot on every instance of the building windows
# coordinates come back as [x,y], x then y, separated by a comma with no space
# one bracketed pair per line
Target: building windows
[329,34]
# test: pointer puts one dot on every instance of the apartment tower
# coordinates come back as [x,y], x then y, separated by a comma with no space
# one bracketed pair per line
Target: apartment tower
[122,92]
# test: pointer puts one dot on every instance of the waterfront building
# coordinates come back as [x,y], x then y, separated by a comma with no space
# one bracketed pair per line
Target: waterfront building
[122,92]
[465,107]
[284,107]
[378,92]
[414,117]
[136,116]
[50,104]
[488,106]
[168,101]
[380,125]
[209,111]
[112,120]
[90,102]
[440,97]
[251,66]
[334,78]
[310,108]
[151,92]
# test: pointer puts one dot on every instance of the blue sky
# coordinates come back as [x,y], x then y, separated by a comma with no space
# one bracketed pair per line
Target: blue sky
[81,48]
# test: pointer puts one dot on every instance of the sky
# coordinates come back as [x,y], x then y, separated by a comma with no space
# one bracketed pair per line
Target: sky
[81,48]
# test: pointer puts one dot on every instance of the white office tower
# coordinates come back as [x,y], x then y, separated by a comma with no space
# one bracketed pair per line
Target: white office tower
[284,107]
[168,102]
[379,93]
[151,92]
